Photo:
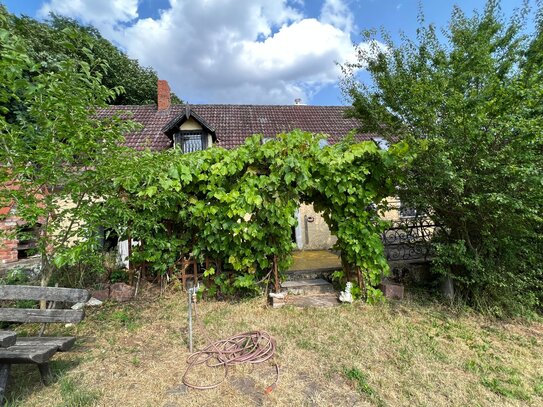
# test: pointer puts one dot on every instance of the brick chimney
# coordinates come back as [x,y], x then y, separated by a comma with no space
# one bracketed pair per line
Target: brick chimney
[164,98]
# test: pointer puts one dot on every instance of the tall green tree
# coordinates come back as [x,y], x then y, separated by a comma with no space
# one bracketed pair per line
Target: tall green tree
[53,41]
[468,101]
[52,145]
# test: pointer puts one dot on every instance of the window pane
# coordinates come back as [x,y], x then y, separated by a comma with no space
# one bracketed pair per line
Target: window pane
[192,142]
[407,212]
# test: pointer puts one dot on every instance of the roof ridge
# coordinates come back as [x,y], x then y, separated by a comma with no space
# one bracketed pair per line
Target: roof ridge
[233,123]
[230,104]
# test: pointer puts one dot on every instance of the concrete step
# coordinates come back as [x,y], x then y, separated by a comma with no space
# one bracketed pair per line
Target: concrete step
[309,286]
[305,301]
[293,275]
[317,300]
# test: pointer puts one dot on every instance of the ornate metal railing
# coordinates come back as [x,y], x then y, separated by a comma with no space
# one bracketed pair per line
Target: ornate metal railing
[409,239]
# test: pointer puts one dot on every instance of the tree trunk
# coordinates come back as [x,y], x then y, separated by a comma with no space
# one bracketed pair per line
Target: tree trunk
[46,272]
[346,268]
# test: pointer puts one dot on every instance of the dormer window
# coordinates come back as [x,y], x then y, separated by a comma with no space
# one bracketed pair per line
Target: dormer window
[190,140]
[189,131]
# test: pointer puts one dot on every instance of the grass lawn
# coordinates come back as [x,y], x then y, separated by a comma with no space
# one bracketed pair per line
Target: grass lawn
[395,354]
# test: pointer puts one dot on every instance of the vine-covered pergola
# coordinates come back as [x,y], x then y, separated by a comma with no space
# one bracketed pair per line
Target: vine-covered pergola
[238,206]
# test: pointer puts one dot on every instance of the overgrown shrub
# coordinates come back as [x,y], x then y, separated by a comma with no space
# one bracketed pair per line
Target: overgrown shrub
[468,102]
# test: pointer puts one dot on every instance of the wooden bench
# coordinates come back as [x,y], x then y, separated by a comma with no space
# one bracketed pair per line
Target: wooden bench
[39,349]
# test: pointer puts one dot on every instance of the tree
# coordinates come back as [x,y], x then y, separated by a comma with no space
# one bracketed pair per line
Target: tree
[468,103]
[50,42]
[52,146]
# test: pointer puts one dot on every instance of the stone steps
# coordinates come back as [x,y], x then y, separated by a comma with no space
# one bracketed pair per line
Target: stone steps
[313,292]
[314,300]
[307,286]
[294,275]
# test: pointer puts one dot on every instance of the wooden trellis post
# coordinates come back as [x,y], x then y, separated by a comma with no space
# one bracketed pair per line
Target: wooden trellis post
[185,264]
[276,274]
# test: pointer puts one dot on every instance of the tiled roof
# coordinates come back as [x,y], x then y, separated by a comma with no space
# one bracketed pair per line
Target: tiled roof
[234,123]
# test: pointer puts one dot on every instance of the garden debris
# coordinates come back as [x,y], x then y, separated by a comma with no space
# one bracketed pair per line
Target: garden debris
[119,292]
[93,302]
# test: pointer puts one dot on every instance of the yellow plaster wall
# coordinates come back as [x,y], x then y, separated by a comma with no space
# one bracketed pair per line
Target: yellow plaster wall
[318,232]
[393,212]
[190,124]
[68,204]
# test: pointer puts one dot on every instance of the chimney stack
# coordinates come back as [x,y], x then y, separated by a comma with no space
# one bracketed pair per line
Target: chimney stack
[164,97]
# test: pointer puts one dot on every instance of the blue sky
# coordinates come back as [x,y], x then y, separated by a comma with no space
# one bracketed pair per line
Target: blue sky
[248,51]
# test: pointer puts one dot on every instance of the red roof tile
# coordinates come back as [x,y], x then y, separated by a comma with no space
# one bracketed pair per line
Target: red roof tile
[234,123]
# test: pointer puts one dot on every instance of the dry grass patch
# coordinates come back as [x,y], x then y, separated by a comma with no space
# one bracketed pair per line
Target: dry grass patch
[398,354]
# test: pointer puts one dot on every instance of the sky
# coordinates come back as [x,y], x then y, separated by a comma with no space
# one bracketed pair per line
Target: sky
[249,51]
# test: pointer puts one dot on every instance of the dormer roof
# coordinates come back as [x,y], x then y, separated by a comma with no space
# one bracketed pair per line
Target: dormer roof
[174,124]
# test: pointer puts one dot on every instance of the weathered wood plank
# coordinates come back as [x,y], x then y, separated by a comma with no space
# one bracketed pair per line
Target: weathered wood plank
[63,343]
[27,354]
[27,292]
[4,375]
[45,373]
[41,315]
[7,338]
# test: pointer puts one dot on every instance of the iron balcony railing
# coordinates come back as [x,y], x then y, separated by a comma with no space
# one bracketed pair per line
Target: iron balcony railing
[409,239]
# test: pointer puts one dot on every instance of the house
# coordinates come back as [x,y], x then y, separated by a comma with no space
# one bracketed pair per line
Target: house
[196,127]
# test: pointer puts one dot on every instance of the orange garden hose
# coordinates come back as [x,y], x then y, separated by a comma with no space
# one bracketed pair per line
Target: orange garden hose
[249,347]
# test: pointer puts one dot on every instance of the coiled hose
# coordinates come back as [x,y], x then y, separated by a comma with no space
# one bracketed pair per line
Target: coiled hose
[249,347]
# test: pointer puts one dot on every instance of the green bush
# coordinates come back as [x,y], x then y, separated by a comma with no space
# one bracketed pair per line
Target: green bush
[469,104]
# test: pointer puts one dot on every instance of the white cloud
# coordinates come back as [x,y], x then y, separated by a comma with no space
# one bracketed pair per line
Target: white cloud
[103,14]
[338,14]
[229,51]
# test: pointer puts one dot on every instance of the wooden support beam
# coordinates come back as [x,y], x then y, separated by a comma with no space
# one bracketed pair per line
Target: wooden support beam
[4,375]
[276,274]
[183,274]
[195,272]
[359,277]
[45,373]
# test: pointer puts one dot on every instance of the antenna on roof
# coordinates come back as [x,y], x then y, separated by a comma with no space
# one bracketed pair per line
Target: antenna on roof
[298,102]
